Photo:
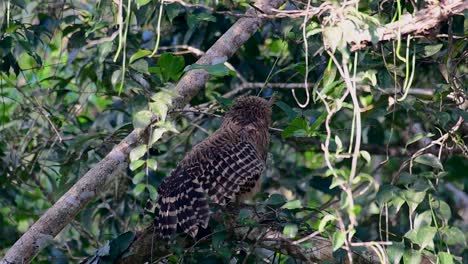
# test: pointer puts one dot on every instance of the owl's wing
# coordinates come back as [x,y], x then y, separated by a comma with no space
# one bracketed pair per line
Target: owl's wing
[225,173]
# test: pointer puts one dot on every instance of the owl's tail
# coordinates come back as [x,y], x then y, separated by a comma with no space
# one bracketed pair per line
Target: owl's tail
[185,209]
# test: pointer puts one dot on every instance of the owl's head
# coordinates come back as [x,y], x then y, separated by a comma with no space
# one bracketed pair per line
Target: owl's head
[250,110]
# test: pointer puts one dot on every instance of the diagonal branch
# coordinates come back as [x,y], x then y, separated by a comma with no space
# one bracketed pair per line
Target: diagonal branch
[418,24]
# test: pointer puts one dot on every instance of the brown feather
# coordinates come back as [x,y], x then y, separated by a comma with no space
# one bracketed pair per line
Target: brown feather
[224,167]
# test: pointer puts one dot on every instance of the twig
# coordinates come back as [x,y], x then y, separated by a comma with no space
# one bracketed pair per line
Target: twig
[95,42]
[440,141]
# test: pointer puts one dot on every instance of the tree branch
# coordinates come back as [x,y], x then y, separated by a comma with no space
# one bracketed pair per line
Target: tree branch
[417,24]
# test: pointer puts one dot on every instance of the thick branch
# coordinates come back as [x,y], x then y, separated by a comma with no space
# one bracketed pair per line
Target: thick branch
[41,233]
[417,24]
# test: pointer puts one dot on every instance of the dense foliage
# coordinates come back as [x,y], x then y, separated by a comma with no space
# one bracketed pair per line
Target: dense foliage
[77,76]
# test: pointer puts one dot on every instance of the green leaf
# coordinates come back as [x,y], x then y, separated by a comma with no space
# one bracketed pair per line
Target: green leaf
[318,121]
[195,19]
[171,66]
[412,198]
[139,176]
[139,188]
[313,32]
[141,3]
[157,134]
[152,164]
[423,219]
[153,193]
[290,230]
[453,236]
[218,70]
[324,221]
[276,200]
[287,109]
[134,165]
[395,252]
[370,75]
[332,38]
[120,244]
[426,235]
[338,239]
[339,144]
[366,156]
[418,137]
[138,152]
[139,54]
[160,109]
[442,210]
[142,119]
[172,10]
[244,214]
[423,236]
[430,50]
[429,159]
[224,102]
[165,97]
[412,257]
[104,250]
[445,258]
[115,78]
[169,126]
[295,204]
[386,193]
[298,126]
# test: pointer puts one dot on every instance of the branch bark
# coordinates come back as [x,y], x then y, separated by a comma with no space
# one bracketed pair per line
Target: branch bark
[417,24]
[96,180]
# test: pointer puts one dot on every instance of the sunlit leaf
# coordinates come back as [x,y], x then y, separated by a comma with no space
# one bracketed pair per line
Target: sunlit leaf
[430,50]
[142,119]
[157,134]
[423,236]
[139,54]
[413,198]
[139,188]
[134,165]
[332,37]
[141,3]
[324,221]
[138,152]
[365,155]
[338,239]
[445,258]
[160,109]
[152,164]
[412,257]
[295,204]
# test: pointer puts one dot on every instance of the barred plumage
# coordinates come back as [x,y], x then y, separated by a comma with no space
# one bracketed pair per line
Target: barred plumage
[222,168]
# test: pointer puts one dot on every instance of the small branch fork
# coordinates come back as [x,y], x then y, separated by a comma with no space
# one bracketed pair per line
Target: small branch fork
[440,142]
